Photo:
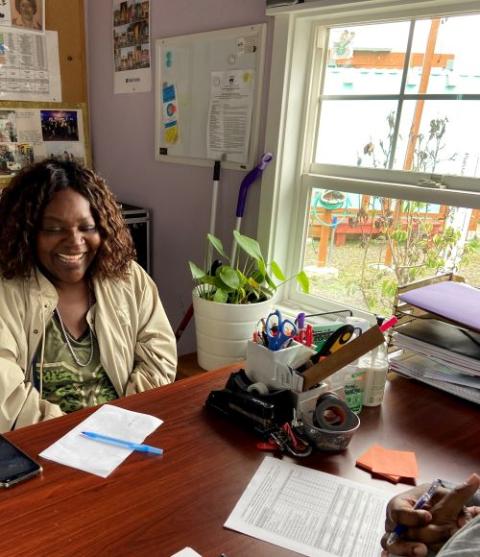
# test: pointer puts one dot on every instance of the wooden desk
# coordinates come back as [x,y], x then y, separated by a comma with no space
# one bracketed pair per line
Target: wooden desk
[154,506]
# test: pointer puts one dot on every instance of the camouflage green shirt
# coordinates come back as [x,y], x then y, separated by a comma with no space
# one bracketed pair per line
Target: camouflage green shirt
[64,382]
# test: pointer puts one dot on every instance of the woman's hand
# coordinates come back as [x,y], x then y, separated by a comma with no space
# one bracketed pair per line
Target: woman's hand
[432,526]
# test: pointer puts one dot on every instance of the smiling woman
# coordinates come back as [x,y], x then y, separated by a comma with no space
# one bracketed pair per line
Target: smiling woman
[68,239]
[80,322]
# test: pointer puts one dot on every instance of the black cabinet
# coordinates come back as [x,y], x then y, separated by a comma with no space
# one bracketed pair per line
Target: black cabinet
[138,222]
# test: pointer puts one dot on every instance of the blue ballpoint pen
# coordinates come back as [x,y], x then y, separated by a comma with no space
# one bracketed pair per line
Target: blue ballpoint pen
[424,499]
[122,443]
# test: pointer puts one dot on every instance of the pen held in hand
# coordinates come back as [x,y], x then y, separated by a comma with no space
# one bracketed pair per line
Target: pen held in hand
[424,500]
[140,447]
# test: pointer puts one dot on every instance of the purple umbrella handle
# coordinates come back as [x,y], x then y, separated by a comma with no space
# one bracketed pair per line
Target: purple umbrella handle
[248,181]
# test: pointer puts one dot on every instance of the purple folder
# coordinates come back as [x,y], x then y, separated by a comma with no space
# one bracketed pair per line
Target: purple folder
[455,301]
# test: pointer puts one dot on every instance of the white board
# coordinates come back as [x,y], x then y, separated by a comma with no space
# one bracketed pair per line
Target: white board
[207,96]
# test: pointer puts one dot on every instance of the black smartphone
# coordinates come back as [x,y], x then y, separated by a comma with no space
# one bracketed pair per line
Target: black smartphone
[15,465]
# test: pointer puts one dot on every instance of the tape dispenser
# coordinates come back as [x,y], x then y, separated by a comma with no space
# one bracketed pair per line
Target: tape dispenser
[252,404]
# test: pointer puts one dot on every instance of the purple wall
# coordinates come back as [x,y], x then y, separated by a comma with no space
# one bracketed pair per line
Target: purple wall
[122,135]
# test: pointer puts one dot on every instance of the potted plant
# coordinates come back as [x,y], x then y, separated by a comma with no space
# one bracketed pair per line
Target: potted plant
[230,297]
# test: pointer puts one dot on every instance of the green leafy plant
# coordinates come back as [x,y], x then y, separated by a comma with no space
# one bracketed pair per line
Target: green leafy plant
[248,279]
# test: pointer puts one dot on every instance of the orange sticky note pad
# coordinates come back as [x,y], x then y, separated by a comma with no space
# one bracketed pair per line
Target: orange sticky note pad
[398,463]
[365,461]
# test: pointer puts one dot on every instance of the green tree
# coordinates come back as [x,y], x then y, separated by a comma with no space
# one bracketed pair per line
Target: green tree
[415,245]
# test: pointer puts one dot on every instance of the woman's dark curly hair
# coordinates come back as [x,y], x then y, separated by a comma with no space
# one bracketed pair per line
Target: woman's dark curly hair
[23,202]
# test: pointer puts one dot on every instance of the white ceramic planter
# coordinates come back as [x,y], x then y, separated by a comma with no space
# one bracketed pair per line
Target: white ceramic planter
[223,330]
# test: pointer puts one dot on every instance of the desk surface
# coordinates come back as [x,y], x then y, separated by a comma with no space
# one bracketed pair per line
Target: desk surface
[156,506]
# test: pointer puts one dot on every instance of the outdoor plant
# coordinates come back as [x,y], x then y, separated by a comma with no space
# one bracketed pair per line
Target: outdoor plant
[246,280]
[412,246]
[428,147]
[414,249]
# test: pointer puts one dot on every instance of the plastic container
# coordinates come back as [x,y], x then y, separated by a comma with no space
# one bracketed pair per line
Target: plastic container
[351,379]
[354,387]
[274,367]
[375,366]
[336,381]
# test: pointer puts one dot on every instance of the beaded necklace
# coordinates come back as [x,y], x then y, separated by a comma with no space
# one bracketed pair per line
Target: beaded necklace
[69,340]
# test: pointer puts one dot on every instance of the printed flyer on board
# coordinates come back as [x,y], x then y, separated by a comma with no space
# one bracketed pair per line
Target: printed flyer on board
[29,66]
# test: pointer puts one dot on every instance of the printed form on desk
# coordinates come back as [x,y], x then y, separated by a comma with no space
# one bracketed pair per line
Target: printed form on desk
[311,512]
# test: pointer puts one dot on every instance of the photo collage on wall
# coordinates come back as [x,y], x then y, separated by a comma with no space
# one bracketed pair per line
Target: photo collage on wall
[131,45]
[30,135]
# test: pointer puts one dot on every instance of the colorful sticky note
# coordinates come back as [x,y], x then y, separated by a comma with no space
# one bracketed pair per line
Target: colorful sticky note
[398,463]
[365,461]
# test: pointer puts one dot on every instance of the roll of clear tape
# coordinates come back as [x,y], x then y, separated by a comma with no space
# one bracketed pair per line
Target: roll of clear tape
[259,388]
[333,414]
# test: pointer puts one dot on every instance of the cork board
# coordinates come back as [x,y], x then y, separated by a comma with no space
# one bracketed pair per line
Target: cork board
[67,18]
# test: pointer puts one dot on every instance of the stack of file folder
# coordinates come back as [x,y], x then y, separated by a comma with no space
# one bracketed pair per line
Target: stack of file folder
[445,355]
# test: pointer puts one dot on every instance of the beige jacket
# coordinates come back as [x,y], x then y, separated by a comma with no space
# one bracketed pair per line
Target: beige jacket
[137,345]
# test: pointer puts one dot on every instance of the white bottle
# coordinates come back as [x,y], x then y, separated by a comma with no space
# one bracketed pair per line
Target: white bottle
[375,366]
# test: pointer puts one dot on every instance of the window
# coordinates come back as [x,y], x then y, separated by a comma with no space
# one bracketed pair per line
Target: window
[375,116]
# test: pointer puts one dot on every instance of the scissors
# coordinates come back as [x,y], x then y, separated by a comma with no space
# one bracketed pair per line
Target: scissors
[259,335]
[279,331]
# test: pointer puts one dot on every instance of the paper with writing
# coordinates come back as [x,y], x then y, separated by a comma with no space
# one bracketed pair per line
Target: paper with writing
[313,513]
[99,458]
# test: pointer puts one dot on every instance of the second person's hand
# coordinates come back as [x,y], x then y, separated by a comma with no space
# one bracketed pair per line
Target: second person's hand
[431,527]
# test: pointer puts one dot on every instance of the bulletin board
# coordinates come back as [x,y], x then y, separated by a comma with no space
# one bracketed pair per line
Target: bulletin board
[66,17]
[207,96]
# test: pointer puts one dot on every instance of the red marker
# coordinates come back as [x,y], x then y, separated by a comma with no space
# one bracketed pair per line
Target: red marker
[388,324]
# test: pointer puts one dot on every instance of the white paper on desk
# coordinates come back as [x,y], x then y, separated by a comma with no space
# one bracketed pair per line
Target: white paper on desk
[187,552]
[99,458]
[313,513]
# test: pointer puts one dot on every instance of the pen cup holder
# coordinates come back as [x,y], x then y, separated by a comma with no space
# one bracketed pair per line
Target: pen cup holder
[275,368]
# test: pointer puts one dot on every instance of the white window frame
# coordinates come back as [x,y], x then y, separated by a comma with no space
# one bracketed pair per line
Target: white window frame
[286,184]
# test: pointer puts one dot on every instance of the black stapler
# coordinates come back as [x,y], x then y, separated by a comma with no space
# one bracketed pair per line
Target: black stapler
[263,413]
